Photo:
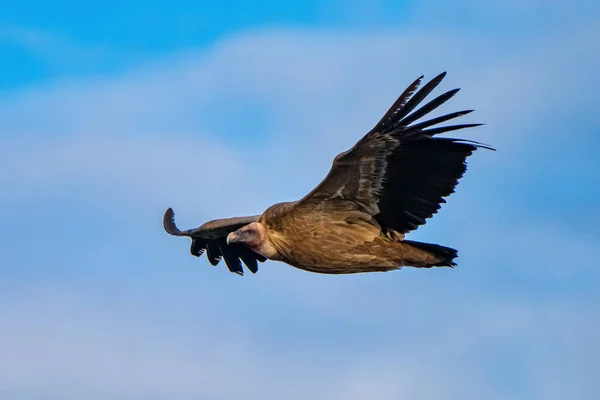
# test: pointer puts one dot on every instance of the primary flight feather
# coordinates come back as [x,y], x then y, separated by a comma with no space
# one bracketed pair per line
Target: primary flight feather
[388,184]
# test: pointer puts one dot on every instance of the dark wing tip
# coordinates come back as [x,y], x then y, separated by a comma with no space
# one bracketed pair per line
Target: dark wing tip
[436,81]
[478,145]
[198,247]
[440,76]
[449,128]
[169,223]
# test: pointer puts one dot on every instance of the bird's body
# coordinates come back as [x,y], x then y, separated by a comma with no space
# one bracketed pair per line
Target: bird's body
[355,220]
[339,240]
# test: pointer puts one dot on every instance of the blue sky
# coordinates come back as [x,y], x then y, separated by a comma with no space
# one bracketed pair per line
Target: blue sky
[111,114]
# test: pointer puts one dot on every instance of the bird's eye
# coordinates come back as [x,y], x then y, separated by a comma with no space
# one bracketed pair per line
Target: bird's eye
[250,232]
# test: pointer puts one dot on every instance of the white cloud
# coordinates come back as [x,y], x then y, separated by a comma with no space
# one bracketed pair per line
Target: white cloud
[320,91]
[52,48]
[67,345]
[128,170]
[153,138]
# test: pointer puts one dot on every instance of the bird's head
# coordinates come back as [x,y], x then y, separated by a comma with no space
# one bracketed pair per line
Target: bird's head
[252,235]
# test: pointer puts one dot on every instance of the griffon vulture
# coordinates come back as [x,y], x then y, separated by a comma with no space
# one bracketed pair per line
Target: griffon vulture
[388,184]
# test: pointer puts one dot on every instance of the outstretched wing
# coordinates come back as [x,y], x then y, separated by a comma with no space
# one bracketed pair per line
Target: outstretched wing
[212,238]
[399,173]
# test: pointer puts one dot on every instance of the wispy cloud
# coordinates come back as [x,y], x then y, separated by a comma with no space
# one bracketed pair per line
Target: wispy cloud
[116,316]
[50,47]
[324,94]
[69,345]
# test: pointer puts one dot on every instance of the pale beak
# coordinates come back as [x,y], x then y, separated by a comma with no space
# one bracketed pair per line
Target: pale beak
[232,238]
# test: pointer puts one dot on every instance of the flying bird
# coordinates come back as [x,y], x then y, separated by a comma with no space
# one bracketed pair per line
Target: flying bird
[388,184]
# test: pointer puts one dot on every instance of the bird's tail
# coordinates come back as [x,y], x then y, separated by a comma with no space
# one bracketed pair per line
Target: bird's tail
[444,256]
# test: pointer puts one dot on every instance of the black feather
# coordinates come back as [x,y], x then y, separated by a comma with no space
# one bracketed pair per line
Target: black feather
[429,107]
[434,121]
[231,258]
[391,114]
[417,98]
[213,252]
[419,174]
[249,258]
[449,128]
[198,246]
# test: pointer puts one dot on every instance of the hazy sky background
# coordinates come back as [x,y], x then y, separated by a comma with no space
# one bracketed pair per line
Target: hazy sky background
[112,112]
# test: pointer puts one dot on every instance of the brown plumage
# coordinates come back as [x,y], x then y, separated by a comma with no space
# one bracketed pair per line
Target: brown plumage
[388,184]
